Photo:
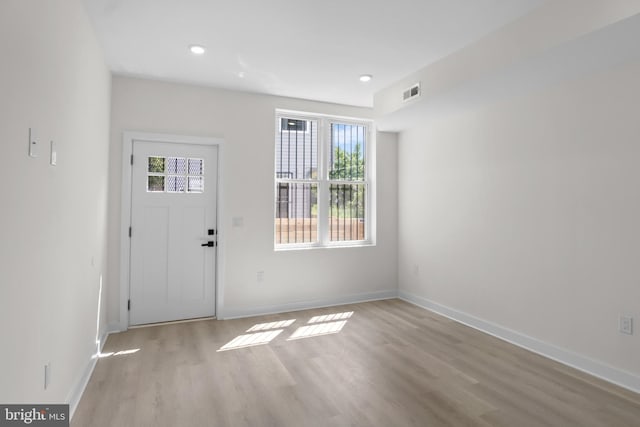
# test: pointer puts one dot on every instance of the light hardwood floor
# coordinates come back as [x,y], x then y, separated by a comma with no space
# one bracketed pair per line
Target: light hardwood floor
[390,364]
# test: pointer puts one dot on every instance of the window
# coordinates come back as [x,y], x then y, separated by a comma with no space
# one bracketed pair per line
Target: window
[321,181]
[175,175]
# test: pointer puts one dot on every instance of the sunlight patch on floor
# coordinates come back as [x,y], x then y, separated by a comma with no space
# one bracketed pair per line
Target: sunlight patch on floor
[331,317]
[117,353]
[264,333]
[317,329]
[271,325]
[249,340]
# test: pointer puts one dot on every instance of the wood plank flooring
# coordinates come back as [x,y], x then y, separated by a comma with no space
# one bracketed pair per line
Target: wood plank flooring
[384,363]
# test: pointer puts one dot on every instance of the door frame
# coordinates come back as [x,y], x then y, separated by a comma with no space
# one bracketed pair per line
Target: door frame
[128,138]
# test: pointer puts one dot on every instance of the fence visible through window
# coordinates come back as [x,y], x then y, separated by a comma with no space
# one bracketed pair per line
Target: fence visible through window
[347,206]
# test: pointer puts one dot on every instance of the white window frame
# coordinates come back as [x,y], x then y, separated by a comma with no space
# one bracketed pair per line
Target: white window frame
[324,154]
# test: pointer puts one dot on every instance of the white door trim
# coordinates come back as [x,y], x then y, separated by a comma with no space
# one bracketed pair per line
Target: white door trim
[128,137]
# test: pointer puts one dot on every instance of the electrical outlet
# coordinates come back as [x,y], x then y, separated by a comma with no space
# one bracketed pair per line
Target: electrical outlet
[626,325]
[260,276]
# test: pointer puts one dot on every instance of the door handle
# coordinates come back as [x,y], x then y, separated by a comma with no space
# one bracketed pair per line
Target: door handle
[209,244]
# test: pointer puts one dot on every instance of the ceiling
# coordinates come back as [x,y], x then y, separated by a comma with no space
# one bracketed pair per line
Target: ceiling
[298,48]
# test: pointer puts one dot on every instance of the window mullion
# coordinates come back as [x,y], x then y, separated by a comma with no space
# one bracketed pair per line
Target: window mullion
[323,212]
[323,187]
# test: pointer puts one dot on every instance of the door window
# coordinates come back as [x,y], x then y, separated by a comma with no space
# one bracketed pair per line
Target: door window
[175,175]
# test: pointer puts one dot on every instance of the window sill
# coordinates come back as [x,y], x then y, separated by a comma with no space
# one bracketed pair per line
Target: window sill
[337,245]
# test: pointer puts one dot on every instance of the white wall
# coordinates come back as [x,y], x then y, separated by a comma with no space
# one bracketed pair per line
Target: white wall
[292,279]
[554,26]
[524,214]
[52,219]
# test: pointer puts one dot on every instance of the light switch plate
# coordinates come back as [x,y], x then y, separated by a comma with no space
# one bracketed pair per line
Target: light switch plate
[32,144]
[54,154]
[47,375]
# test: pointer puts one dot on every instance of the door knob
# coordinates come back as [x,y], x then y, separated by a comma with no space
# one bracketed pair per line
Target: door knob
[209,244]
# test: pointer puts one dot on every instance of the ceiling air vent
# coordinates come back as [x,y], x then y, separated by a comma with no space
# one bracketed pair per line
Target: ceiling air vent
[412,92]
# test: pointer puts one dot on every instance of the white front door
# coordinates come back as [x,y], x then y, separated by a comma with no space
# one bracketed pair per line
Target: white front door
[173,219]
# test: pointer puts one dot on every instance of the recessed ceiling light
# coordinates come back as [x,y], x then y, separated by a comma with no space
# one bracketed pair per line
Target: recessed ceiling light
[241,74]
[366,78]
[196,49]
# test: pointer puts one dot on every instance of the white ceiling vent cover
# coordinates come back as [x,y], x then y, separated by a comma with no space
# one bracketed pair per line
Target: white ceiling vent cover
[412,92]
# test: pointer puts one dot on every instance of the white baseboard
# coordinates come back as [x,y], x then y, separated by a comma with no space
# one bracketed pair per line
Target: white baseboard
[566,357]
[76,393]
[116,327]
[234,313]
